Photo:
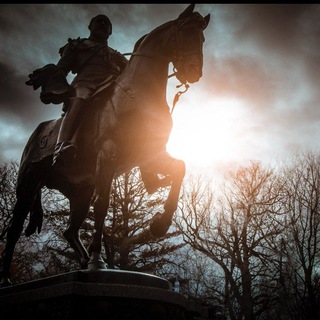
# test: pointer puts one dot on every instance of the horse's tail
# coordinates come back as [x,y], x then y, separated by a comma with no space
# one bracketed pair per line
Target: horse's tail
[36,216]
[39,147]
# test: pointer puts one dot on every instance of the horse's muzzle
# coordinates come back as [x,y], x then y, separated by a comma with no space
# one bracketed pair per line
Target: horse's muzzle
[194,73]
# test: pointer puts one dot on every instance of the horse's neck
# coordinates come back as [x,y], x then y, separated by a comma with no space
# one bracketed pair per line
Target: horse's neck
[147,78]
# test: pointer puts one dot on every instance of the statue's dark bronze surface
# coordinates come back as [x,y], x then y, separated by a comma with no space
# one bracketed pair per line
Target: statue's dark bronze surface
[127,125]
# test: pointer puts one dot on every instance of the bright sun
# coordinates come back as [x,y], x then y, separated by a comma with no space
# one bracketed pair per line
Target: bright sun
[205,132]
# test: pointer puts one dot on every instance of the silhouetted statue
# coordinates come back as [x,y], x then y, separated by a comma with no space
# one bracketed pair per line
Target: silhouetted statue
[126,125]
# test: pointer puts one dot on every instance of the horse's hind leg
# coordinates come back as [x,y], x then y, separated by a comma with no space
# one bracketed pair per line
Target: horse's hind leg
[79,208]
[106,168]
[26,195]
[36,216]
[176,170]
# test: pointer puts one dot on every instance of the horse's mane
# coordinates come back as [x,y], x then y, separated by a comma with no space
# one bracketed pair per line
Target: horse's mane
[137,45]
[159,28]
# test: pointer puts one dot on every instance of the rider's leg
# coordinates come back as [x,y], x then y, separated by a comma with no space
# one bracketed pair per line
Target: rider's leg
[65,150]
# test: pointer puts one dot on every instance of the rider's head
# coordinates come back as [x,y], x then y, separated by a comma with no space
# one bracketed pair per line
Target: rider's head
[101,21]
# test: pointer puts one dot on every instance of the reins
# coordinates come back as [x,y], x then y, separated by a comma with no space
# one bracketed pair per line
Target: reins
[178,94]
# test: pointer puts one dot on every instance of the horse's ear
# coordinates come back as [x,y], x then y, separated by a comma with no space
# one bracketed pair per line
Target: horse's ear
[187,11]
[206,19]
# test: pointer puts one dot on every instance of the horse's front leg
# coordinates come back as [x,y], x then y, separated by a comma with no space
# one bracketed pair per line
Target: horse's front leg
[106,168]
[176,169]
[79,208]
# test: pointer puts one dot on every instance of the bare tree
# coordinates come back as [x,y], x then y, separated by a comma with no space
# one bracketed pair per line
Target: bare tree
[301,243]
[237,229]
[8,177]
[127,240]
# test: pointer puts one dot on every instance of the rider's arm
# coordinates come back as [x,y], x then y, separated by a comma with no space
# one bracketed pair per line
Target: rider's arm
[68,56]
[120,60]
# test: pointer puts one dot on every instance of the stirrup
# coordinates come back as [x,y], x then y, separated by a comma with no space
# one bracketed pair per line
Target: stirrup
[64,153]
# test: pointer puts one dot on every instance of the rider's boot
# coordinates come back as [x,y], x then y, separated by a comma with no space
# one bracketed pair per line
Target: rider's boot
[65,150]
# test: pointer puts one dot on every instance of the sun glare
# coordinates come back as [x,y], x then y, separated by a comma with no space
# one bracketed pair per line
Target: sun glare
[205,134]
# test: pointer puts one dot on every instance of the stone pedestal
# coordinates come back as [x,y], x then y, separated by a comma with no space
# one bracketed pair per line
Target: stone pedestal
[93,295]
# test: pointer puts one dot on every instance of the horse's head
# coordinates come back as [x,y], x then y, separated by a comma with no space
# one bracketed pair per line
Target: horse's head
[188,39]
[179,41]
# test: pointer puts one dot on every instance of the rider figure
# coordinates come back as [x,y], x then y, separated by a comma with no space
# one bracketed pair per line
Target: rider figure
[93,62]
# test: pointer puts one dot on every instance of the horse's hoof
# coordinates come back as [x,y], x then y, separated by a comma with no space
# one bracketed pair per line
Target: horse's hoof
[30,230]
[96,262]
[159,226]
[5,282]
[83,263]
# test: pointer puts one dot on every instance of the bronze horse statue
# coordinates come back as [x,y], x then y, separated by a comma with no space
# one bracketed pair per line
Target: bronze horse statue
[128,127]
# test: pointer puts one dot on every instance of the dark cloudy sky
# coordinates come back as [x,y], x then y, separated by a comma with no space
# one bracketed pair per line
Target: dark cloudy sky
[258,98]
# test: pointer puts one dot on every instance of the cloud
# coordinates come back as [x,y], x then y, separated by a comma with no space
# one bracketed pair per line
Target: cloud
[264,55]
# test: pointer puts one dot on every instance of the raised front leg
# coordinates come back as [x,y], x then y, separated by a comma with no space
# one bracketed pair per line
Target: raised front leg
[106,169]
[152,182]
[176,170]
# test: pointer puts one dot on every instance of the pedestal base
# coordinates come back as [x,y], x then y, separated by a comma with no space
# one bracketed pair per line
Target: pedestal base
[93,295]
